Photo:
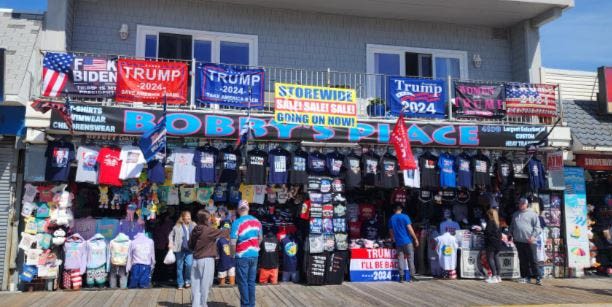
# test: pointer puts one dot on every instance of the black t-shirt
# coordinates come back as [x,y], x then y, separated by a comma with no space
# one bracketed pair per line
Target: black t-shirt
[388,172]
[352,176]
[315,265]
[230,160]
[334,162]
[370,229]
[480,168]
[428,165]
[59,156]
[316,163]
[504,171]
[370,161]
[298,173]
[268,254]
[256,167]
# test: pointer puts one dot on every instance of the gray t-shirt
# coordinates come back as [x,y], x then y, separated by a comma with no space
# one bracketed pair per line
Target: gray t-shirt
[87,170]
[35,163]
[183,171]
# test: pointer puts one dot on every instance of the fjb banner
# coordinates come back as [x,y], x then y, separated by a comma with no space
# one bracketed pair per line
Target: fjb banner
[479,100]
[379,264]
[531,99]
[315,105]
[230,86]
[150,81]
[417,97]
[68,74]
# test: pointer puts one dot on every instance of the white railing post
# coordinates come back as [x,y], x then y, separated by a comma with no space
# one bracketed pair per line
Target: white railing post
[193,84]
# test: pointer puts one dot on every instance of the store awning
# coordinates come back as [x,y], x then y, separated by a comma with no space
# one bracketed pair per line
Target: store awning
[591,131]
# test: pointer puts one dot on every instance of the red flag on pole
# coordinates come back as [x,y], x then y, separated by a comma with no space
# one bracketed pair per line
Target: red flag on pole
[401,143]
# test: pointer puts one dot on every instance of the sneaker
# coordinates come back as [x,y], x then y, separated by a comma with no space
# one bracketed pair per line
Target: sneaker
[522,281]
[180,288]
[539,281]
[401,279]
[187,286]
[498,279]
[528,280]
[490,280]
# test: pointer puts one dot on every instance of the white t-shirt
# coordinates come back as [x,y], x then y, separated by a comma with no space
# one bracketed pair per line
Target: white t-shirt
[259,194]
[173,196]
[132,162]
[183,171]
[87,170]
[412,178]
[446,248]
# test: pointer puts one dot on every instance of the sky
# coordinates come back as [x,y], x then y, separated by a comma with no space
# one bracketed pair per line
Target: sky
[581,39]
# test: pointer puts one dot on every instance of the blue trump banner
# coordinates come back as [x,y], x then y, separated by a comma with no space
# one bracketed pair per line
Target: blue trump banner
[417,97]
[154,140]
[230,86]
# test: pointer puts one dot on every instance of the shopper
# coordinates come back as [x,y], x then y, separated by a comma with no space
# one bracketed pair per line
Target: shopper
[227,265]
[493,244]
[203,244]
[246,236]
[400,230]
[525,229]
[178,243]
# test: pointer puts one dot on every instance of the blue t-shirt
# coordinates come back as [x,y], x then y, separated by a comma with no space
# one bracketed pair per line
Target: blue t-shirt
[446,163]
[278,162]
[316,163]
[155,170]
[289,254]
[226,261]
[398,223]
[464,173]
[205,161]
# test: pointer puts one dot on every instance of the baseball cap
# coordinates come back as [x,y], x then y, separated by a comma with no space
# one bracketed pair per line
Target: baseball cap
[243,205]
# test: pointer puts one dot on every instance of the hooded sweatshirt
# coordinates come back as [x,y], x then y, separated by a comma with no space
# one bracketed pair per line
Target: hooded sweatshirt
[525,224]
[75,251]
[203,241]
[141,251]
[96,252]
[118,250]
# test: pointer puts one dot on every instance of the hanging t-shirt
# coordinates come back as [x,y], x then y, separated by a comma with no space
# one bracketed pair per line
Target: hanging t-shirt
[183,170]
[316,163]
[35,163]
[504,172]
[268,255]
[256,167]
[234,195]
[204,194]
[399,196]
[278,160]
[155,169]
[260,194]
[298,173]
[446,248]
[132,162]
[107,227]
[173,196]
[334,162]
[352,176]
[446,163]
[219,194]
[388,174]
[370,162]
[247,192]
[59,156]
[109,166]
[205,161]
[290,249]
[369,229]
[230,162]
[464,173]
[366,212]
[86,227]
[480,167]
[537,176]
[87,170]
[188,194]
[429,172]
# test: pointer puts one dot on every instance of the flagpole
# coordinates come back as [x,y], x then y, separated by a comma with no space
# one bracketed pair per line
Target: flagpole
[166,127]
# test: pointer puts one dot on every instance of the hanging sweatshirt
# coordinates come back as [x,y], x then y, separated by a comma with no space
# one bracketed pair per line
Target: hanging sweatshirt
[118,250]
[96,252]
[537,177]
[141,251]
[75,251]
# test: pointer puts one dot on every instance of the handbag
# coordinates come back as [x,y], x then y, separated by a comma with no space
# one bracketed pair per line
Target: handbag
[170,258]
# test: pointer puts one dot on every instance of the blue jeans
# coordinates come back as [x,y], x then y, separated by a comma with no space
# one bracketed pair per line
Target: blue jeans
[246,274]
[183,260]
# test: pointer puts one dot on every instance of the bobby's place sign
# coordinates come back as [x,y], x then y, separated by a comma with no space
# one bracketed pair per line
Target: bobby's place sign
[130,121]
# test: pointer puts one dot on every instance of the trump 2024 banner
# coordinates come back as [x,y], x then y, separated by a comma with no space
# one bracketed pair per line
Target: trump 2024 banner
[531,99]
[230,86]
[479,100]
[150,81]
[315,105]
[68,74]
[417,97]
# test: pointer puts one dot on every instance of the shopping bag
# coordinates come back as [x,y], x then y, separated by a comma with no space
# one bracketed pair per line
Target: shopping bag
[170,258]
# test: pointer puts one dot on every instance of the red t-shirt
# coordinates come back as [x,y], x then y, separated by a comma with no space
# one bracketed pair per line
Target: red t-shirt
[355,229]
[305,212]
[109,166]
[366,212]
[45,194]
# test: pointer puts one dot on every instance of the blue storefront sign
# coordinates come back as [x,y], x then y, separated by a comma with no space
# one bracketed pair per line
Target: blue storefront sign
[12,120]
[230,86]
[417,97]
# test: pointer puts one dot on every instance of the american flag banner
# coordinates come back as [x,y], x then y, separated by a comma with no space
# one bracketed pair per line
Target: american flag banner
[63,109]
[94,64]
[57,68]
[531,99]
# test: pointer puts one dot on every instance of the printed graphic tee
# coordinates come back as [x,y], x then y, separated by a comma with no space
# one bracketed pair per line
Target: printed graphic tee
[205,161]
[352,176]
[59,156]
[464,172]
[230,162]
[87,169]
[446,163]
[298,173]
[412,177]
[370,162]
[256,167]
[480,167]
[132,162]
[155,169]
[428,165]
[278,160]
[35,163]
[388,174]
[183,171]
[446,248]
[109,166]
[316,163]
[504,171]
[290,249]
[334,162]
[268,258]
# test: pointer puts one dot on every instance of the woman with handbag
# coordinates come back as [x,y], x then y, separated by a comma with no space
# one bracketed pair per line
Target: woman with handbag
[178,242]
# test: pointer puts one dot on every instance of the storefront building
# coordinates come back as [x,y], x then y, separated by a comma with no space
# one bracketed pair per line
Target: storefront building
[319,86]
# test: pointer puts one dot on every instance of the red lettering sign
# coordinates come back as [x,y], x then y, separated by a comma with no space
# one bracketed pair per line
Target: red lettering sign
[150,81]
[595,162]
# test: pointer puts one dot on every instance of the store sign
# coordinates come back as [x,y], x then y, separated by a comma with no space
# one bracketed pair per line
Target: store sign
[133,121]
[578,254]
[531,99]
[376,264]
[479,100]
[595,162]
[470,264]
[151,81]
[417,97]
[230,86]
[315,105]
[604,75]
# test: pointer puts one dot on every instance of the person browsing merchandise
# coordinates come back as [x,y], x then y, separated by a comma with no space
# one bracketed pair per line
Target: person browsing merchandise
[178,242]
[525,229]
[401,232]
[246,235]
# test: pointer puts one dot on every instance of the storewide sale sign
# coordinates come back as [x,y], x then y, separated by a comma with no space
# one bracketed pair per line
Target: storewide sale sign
[150,81]
[374,264]
[315,105]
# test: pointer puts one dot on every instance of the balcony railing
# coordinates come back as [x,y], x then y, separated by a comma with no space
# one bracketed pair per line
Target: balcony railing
[368,87]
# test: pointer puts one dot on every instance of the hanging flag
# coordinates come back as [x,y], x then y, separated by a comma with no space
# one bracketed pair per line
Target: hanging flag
[57,68]
[246,134]
[63,109]
[401,143]
[154,140]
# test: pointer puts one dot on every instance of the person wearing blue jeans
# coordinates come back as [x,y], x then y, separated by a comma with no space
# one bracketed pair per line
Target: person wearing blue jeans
[178,242]
[245,238]
[184,261]
[246,276]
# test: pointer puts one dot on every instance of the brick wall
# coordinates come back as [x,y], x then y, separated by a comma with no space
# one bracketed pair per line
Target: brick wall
[286,38]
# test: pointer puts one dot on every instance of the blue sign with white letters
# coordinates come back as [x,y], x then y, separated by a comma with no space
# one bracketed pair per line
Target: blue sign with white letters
[417,97]
[230,86]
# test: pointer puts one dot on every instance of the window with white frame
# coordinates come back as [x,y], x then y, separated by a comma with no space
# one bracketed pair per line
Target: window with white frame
[413,62]
[204,46]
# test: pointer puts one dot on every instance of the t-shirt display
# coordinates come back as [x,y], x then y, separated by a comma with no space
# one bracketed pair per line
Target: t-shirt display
[87,169]
[290,249]
[464,171]
[298,173]
[230,160]
[205,161]
[183,170]
[428,166]
[446,163]
[370,162]
[504,172]
[256,162]
[59,156]
[334,162]
[278,160]
[352,176]
[268,255]
[132,162]
[109,166]
[316,163]
[480,167]
[446,248]
[388,178]
[156,172]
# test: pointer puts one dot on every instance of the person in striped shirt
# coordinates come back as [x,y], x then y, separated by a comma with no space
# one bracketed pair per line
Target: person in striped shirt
[246,236]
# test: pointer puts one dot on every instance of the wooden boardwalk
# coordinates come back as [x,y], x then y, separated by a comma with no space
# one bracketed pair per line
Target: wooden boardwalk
[424,293]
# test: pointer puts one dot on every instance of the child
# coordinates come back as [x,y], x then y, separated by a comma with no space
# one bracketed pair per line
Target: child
[268,259]
[227,265]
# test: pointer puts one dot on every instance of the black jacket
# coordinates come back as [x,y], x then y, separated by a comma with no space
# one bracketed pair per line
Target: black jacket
[492,237]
